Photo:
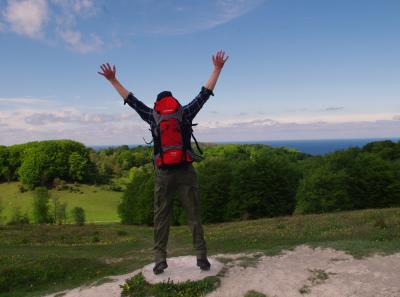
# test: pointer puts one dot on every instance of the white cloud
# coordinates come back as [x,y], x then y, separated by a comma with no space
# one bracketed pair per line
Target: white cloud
[26,124]
[27,17]
[200,15]
[75,41]
[38,19]
[231,9]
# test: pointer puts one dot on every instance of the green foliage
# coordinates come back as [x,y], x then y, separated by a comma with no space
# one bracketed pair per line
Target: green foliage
[44,161]
[78,214]
[136,205]
[5,174]
[41,206]
[263,187]
[59,211]
[351,179]
[139,287]
[215,179]
[78,166]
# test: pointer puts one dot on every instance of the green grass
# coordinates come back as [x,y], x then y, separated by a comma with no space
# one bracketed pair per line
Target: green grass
[137,286]
[38,259]
[99,204]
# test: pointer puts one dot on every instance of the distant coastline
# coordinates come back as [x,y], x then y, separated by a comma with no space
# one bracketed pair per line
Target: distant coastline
[311,146]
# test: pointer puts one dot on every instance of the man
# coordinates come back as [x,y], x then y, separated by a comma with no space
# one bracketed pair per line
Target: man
[180,177]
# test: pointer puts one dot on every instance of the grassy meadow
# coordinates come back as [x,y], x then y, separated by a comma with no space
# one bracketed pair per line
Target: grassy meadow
[100,204]
[35,259]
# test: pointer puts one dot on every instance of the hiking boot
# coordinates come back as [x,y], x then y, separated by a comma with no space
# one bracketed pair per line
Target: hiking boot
[203,264]
[159,267]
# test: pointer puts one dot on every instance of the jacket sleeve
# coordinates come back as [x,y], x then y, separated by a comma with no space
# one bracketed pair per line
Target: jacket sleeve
[197,103]
[145,112]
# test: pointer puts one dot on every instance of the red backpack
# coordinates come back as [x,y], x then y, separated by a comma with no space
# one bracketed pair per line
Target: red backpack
[168,134]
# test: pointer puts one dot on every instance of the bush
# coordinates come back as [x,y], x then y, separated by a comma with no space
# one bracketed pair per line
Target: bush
[78,214]
[136,206]
[263,187]
[41,206]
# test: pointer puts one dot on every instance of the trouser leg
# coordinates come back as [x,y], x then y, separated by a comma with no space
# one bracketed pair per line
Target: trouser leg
[191,203]
[163,197]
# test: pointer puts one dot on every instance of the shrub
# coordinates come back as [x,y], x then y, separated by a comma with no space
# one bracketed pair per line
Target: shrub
[41,206]
[78,214]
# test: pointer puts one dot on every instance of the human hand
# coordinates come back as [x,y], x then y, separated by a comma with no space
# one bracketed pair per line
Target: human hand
[108,72]
[219,59]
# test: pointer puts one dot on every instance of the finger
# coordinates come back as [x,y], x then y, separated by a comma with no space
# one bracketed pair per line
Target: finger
[226,59]
[101,73]
[114,69]
[109,67]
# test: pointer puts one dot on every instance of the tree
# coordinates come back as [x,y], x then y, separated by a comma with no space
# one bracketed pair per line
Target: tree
[5,173]
[136,205]
[41,206]
[215,179]
[61,213]
[263,187]
[43,161]
[324,190]
[78,214]
[78,166]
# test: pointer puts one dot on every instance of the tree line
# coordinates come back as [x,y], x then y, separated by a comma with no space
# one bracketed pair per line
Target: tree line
[45,163]
[236,182]
[239,182]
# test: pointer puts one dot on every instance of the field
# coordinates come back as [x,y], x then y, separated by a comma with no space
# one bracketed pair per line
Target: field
[36,259]
[100,205]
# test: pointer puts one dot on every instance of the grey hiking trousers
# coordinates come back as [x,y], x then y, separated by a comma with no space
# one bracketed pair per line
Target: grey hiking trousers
[168,182]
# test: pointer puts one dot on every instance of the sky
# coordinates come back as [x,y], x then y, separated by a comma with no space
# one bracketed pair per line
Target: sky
[297,69]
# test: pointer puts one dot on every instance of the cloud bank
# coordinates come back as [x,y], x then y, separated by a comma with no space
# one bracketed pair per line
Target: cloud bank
[22,125]
[43,19]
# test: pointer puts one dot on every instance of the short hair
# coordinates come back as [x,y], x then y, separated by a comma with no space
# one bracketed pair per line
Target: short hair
[163,95]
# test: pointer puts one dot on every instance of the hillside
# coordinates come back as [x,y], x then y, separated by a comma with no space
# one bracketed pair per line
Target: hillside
[35,259]
[100,205]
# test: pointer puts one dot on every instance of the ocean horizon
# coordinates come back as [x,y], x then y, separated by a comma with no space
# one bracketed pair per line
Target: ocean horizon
[310,146]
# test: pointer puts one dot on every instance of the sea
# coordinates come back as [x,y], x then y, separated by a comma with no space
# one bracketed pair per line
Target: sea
[312,146]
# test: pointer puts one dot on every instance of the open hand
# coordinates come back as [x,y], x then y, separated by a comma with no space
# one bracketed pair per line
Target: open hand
[219,59]
[108,72]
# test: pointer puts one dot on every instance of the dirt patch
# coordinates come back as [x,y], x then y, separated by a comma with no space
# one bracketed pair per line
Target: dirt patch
[316,273]
[302,272]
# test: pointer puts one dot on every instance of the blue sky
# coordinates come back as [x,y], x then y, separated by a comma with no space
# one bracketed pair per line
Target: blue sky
[298,69]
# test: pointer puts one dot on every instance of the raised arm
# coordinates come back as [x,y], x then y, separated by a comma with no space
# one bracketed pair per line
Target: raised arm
[145,112]
[110,74]
[218,61]
[197,103]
